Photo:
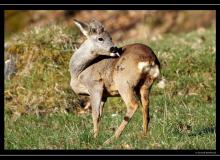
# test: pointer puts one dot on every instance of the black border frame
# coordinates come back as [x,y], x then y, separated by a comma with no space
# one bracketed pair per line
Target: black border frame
[111,2]
[194,153]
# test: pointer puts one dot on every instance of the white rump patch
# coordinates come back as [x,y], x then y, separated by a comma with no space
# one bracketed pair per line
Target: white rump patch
[143,67]
[154,71]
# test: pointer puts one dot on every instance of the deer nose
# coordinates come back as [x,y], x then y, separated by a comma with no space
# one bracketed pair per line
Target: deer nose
[113,49]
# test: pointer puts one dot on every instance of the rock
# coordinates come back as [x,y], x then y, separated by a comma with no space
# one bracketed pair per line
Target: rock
[9,68]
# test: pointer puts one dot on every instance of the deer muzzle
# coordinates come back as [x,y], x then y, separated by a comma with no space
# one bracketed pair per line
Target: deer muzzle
[114,52]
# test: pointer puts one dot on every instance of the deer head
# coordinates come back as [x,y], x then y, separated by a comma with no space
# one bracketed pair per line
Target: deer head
[99,39]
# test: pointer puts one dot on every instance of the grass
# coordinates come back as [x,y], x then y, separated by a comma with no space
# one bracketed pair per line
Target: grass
[183,115]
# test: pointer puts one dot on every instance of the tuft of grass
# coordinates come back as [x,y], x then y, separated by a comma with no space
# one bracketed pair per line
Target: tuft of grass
[183,115]
[41,83]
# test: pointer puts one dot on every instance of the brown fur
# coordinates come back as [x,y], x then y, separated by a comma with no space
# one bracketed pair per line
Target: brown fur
[121,77]
[96,74]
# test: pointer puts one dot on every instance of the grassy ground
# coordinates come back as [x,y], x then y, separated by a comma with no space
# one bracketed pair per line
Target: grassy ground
[183,115]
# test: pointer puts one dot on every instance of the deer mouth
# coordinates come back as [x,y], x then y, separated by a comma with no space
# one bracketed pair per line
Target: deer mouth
[114,54]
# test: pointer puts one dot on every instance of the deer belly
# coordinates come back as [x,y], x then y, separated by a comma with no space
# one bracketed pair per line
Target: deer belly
[111,90]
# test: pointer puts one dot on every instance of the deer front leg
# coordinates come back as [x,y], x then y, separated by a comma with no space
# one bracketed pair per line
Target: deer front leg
[102,105]
[96,92]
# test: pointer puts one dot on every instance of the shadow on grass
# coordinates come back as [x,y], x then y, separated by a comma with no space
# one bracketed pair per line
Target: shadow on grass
[203,131]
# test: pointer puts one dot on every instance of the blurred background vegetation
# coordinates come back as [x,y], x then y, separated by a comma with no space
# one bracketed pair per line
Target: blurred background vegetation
[139,24]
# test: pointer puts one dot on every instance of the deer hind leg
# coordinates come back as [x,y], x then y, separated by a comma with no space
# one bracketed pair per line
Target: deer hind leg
[144,92]
[129,98]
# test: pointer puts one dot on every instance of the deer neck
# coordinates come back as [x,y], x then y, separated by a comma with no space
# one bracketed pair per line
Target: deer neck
[82,58]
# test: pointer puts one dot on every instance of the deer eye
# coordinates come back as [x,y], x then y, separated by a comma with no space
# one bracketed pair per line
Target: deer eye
[100,39]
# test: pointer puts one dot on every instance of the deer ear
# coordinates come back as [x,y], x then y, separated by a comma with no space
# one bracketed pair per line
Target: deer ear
[95,21]
[84,28]
[96,26]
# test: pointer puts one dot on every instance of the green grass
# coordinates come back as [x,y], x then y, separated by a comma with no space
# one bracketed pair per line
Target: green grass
[183,115]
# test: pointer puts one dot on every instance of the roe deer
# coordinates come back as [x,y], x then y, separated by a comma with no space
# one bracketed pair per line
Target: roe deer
[130,74]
